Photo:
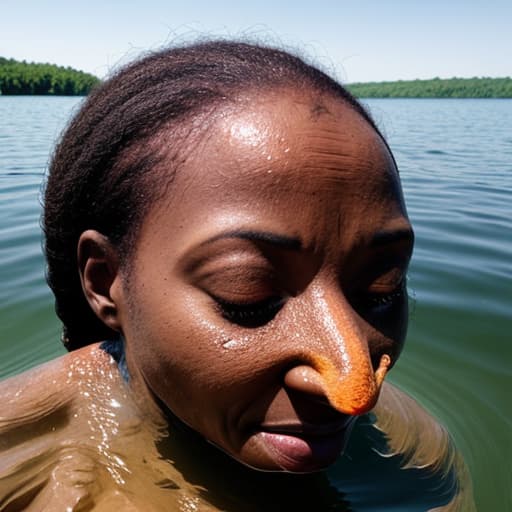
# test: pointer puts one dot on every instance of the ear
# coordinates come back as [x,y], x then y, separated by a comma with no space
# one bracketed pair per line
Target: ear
[98,264]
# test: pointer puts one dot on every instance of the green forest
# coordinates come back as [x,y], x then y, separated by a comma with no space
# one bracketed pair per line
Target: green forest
[33,78]
[30,78]
[436,88]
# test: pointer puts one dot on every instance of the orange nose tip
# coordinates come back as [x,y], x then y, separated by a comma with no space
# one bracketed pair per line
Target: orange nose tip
[356,391]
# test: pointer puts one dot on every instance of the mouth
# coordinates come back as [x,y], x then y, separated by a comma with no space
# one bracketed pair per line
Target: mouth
[305,447]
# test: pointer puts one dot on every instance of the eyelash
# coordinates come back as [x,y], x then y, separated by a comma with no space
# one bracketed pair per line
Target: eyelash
[254,314]
[377,300]
[257,314]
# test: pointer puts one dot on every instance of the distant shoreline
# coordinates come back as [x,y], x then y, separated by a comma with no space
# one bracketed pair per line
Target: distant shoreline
[20,78]
[34,79]
[435,88]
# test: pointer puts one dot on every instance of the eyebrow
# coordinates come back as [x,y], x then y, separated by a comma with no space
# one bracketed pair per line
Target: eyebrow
[392,237]
[281,241]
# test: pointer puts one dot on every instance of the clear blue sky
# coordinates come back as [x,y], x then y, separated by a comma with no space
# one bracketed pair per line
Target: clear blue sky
[361,40]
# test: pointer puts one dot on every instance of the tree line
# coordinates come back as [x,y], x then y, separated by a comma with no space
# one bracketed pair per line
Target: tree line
[21,77]
[436,88]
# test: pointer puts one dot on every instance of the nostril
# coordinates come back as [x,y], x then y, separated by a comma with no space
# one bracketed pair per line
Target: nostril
[307,394]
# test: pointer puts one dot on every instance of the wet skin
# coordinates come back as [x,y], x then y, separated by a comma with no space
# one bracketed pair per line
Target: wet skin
[266,297]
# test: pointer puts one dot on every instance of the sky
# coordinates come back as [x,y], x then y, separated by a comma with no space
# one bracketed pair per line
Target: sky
[356,40]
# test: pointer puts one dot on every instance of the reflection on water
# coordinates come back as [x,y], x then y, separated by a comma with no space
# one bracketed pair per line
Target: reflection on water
[455,160]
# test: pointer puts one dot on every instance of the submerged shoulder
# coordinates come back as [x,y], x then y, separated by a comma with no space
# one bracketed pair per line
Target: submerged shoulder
[47,389]
[410,429]
[73,437]
[422,442]
[54,431]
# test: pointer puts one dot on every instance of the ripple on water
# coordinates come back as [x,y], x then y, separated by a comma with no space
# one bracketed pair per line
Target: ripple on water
[454,161]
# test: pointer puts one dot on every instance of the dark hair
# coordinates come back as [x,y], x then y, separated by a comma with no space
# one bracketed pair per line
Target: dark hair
[104,173]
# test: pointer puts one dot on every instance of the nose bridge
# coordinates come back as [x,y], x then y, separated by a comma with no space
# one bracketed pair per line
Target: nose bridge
[342,359]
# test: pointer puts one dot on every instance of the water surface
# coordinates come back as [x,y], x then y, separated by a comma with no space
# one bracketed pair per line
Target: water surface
[455,159]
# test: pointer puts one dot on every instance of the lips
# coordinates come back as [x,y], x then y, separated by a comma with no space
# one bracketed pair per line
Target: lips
[305,447]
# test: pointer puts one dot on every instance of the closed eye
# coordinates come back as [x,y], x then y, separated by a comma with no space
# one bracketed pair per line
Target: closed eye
[379,300]
[250,314]
[373,302]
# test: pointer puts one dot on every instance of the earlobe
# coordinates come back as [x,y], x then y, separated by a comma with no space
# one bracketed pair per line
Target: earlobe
[98,264]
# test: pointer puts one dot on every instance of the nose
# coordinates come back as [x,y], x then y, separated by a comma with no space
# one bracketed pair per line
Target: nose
[335,362]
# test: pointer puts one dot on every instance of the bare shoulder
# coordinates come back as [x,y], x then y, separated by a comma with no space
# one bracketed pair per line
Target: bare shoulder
[422,441]
[45,390]
[72,437]
[47,459]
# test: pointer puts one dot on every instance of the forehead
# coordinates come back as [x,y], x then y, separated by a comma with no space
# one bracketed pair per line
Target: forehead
[283,125]
[265,157]
[261,134]
[289,118]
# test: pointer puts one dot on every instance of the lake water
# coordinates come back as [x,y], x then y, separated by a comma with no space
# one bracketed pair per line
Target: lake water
[455,159]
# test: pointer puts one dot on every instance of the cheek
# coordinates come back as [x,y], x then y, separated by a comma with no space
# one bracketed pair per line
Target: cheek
[187,358]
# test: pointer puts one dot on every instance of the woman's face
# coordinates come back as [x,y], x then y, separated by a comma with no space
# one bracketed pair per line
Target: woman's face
[269,283]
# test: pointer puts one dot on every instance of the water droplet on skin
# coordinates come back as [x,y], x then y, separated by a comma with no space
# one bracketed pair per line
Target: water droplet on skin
[229,344]
[246,132]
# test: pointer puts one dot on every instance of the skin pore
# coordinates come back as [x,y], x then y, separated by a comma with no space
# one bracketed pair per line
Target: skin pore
[266,298]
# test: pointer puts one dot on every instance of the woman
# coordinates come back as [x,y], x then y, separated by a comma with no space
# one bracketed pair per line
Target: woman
[227,243]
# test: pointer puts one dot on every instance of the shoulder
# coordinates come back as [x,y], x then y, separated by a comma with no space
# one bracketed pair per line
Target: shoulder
[410,429]
[40,464]
[422,442]
[46,389]
[72,437]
